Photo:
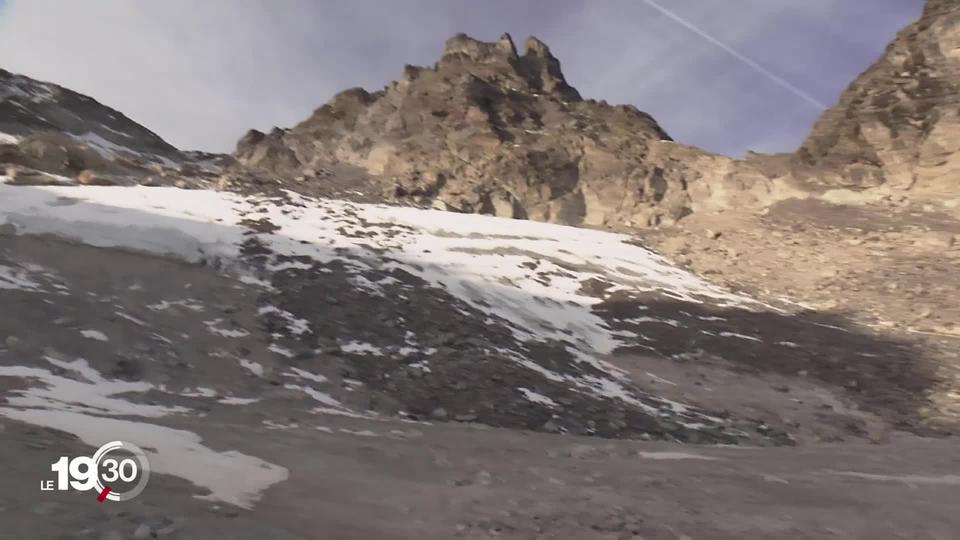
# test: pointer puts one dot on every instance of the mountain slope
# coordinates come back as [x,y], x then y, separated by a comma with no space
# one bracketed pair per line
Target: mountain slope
[293,362]
[490,131]
[450,315]
[50,134]
[898,123]
[28,106]
[515,298]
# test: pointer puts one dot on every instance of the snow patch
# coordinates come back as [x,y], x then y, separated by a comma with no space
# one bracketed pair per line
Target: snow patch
[130,318]
[422,365]
[270,424]
[91,397]
[188,303]
[253,367]
[295,325]
[199,392]
[79,366]
[740,336]
[322,397]
[945,480]
[232,400]
[303,374]
[213,328]
[282,351]
[674,455]
[360,347]
[539,399]
[656,378]
[94,334]
[359,433]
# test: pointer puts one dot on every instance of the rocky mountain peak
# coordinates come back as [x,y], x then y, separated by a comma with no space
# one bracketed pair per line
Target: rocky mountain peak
[535,47]
[544,68]
[498,63]
[505,43]
[474,50]
[492,131]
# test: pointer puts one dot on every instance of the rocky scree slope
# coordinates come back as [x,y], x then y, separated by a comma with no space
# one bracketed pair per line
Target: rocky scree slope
[487,130]
[379,311]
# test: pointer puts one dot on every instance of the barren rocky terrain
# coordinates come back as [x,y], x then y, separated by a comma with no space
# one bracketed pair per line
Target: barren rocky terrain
[476,304]
[365,474]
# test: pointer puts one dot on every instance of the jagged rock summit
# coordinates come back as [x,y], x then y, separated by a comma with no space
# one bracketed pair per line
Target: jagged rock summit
[492,131]
[536,71]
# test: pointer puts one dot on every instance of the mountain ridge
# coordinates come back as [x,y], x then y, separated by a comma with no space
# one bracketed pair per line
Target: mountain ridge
[488,129]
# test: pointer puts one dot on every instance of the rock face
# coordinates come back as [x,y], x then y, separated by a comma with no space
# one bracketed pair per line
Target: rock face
[487,130]
[899,123]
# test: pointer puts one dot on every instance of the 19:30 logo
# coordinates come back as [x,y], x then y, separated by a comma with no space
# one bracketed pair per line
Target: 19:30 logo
[118,478]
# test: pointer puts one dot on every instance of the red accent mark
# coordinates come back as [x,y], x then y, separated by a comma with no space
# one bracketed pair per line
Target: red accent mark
[103,494]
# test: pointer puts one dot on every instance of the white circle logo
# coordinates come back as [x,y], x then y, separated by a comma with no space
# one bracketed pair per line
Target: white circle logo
[133,469]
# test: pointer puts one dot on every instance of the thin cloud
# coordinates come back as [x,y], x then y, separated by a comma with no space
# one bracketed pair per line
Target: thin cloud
[738,55]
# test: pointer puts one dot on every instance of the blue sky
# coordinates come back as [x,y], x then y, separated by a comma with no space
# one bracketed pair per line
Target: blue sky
[201,73]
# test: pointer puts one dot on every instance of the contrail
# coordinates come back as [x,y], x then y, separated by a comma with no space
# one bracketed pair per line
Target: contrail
[736,54]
